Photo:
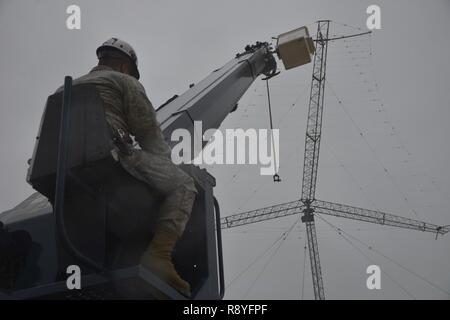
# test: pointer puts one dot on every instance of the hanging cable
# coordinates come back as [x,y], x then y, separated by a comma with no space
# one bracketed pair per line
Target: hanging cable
[372,248]
[376,157]
[286,234]
[394,131]
[276,177]
[261,255]
[348,172]
[346,25]
[284,116]
[304,268]
[340,231]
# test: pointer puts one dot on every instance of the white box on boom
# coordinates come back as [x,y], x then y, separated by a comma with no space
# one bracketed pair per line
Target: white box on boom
[295,48]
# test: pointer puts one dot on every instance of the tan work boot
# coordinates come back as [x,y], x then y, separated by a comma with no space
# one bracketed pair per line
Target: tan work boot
[158,259]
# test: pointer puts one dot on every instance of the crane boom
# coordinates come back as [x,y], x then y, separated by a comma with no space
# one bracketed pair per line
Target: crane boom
[212,99]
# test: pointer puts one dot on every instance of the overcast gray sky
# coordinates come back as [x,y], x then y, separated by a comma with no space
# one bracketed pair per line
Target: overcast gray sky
[398,96]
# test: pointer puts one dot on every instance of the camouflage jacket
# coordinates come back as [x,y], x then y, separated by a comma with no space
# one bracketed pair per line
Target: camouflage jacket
[127,107]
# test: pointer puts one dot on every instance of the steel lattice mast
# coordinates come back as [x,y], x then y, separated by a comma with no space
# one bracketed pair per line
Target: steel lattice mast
[312,147]
[308,205]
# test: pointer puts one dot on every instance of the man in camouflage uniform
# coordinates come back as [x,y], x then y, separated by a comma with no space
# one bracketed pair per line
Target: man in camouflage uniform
[129,111]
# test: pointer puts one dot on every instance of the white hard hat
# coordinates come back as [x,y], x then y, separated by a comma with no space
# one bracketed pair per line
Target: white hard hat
[123,47]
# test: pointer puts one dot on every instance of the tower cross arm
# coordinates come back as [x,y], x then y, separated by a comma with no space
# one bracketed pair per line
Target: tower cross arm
[378,217]
[343,37]
[272,212]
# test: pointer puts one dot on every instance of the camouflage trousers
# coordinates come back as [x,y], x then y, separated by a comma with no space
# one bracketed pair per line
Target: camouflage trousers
[164,176]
